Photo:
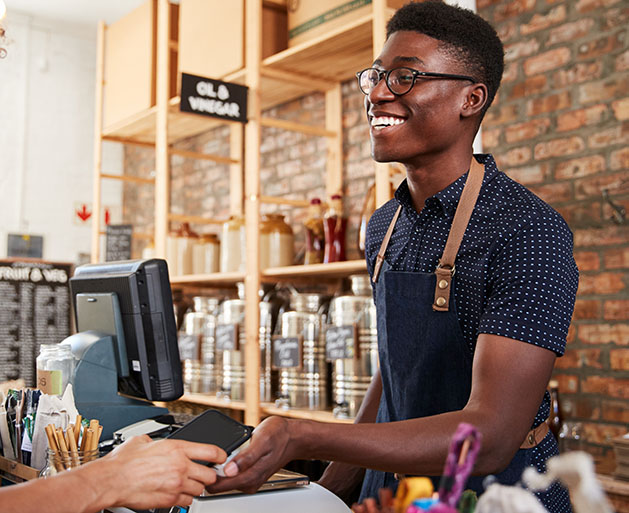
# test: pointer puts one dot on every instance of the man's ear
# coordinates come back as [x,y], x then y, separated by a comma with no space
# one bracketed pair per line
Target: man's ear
[474,101]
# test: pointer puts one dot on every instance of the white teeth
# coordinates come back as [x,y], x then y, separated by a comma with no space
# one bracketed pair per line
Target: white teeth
[384,121]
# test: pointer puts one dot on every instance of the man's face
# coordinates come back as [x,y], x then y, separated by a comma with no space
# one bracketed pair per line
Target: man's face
[426,120]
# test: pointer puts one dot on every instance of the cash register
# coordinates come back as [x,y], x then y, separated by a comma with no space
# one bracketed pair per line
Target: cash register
[126,345]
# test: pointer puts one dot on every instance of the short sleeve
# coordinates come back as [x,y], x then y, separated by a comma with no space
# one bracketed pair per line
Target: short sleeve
[532,285]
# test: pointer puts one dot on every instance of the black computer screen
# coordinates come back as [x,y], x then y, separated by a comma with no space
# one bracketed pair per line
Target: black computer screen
[142,288]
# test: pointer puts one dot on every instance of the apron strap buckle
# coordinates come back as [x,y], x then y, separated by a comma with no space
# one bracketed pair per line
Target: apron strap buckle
[443,274]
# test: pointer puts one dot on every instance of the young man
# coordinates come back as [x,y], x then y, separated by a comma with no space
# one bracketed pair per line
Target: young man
[472,309]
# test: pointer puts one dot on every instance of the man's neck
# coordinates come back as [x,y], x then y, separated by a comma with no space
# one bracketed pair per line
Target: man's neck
[431,175]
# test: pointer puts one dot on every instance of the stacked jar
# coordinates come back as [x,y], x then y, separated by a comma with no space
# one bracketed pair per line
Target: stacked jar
[55,368]
[306,387]
[351,377]
[276,242]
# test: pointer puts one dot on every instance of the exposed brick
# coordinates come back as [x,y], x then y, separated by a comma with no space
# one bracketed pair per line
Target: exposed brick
[568,383]
[559,147]
[589,5]
[617,258]
[491,138]
[529,174]
[570,31]
[527,130]
[622,62]
[619,359]
[577,168]
[569,360]
[581,215]
[551,103]
[530,86]
[500,115]
[612,214]
[521,49]
[514,157]
[547,61]
[580,118]
[591,187]
[618,134]
[605,385]
[481,4]
[589,260]
[603,90]
[621,109]
[512,9]
[553,192]
[507,30]
[586,309]
[576,74]
[618,17]
[615,411]
[542,21]
[510,73]
[600,46]
[616,310]
[602,433]
[601,283]
[604,334]
[584,408]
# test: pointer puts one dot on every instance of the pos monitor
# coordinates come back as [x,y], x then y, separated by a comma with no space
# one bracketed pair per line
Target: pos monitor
[126,345]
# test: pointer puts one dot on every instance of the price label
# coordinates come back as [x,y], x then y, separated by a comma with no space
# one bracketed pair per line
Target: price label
[340,342]
[287,352]
[189,346]
[227,337]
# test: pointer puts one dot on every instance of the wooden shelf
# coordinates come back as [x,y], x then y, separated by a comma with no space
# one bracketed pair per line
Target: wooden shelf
[332,270]
[212,400]
[308,64]
[208,279]
[319,416]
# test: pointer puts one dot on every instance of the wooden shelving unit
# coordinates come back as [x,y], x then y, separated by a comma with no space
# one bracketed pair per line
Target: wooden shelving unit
[320,64]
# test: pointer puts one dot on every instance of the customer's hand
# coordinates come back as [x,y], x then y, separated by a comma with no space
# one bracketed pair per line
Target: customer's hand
[143,474]
[270,448]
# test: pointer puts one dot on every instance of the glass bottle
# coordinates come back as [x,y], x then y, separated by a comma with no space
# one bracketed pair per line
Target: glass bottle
[315,238]
[57,461]
[555,419]
[334,225]
[55,368]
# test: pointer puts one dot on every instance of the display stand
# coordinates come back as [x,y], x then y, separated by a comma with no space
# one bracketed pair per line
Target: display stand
[320,64]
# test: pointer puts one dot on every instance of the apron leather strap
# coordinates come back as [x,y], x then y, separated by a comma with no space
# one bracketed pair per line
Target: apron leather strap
[445,269]
[383,246]
[535,436]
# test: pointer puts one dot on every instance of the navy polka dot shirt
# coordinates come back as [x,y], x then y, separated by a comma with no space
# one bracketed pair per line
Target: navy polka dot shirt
[515,271]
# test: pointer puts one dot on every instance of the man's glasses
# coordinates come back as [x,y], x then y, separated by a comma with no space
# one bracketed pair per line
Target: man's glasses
[399,80]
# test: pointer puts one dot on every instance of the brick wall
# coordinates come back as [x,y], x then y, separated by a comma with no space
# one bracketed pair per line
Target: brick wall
[559,125]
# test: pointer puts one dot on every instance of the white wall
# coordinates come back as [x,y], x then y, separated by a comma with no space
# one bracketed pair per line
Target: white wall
[46,134]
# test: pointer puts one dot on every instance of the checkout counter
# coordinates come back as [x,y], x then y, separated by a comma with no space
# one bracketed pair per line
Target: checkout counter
[308,499]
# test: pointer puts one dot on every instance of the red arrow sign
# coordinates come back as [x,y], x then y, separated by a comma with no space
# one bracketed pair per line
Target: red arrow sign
[107,216]
[83,214]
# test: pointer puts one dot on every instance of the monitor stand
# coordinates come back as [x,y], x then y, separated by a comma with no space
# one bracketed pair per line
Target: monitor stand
[96,384]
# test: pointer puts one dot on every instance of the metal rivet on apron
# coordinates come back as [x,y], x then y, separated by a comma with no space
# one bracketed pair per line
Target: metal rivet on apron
[443,284]
[531,438]
[441,301]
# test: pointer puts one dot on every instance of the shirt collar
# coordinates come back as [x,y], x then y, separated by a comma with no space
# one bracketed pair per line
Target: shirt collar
[447,199]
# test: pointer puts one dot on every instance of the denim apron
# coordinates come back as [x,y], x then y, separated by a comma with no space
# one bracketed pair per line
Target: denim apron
[425,362]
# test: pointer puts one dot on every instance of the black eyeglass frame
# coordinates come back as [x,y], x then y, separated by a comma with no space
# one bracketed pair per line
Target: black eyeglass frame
[415,73]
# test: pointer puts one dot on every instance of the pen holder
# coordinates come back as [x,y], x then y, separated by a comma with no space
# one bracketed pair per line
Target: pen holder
[58,461]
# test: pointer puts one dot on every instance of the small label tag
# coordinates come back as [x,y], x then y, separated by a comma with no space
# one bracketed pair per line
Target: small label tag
[227,337]
[135,365]
[339,342]
[287,352]
[49,382]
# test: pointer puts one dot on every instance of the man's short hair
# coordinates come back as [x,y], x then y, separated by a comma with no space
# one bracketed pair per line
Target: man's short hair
[464,36]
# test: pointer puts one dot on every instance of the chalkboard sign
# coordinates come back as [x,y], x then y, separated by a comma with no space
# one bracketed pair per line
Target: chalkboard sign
[118,242]
[25,246]
[227,337]
[340,342]
[213,98]
[34,310]
[287,352]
